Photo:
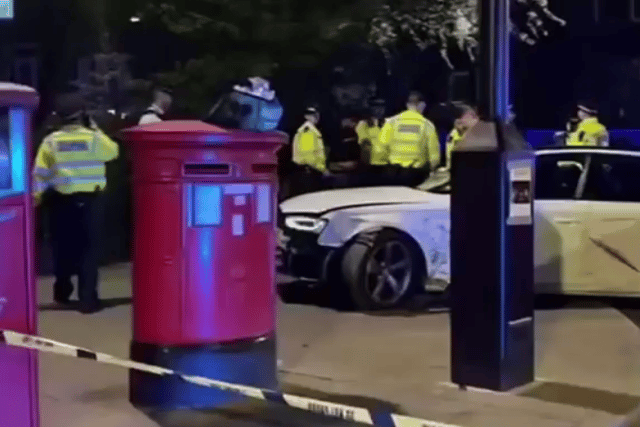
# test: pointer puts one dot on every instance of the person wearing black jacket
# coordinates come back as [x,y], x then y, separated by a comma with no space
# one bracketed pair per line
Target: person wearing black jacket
[345,156]
[347,150]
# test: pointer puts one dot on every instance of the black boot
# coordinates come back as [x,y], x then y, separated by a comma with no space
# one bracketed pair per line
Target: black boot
[62,291]
[90,307]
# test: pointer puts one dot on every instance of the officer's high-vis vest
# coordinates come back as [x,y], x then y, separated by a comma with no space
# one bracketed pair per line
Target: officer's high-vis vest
[411,140]
[308,147]
[454,137]
[589,132]
[72,160]
[372,133]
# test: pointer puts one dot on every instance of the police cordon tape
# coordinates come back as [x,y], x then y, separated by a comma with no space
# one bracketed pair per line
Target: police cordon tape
[329,409]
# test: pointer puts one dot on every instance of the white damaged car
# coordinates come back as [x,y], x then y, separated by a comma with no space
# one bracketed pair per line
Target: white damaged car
[383,244]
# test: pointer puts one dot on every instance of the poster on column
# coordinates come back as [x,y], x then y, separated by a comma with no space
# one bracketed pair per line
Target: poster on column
[520,192]
[6,9]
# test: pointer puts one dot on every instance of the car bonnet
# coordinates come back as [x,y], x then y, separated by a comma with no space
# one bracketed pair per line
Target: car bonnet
[325,201]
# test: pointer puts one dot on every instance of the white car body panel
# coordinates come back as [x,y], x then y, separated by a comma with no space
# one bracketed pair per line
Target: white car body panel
[420,214]
[580,246]
[321,201]
[428,224]
[560,234]
[614,228]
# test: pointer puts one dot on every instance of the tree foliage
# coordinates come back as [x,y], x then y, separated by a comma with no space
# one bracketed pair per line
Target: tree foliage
[446,23]
[239,38]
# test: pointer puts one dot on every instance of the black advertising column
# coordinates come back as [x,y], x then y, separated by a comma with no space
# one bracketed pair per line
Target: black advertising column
[492,231]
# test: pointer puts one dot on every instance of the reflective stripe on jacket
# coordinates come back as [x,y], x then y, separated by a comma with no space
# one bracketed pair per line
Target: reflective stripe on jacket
[589,132]
[73,160]
[372,133]
[454,137]
[410,140]
[308,147]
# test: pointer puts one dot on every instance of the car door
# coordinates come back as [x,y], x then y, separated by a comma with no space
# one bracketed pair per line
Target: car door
[560,217]
[613,228]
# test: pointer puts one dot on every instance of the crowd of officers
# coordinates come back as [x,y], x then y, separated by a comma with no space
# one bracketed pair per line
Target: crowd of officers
[404,149]
[399,150]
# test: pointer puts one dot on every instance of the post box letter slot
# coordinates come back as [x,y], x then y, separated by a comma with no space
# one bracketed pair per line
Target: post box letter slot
[264,167]
[206,169]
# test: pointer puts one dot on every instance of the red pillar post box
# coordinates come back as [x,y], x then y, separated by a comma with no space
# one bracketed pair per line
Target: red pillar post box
[204,239]
[18,309]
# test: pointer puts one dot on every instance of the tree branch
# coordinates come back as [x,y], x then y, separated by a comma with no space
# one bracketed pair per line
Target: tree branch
[455,22]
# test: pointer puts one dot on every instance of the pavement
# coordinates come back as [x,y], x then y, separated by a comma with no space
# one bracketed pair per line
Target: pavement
[587,367]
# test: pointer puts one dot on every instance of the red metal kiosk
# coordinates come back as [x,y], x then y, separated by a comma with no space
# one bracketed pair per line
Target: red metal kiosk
[204,207]
[18,309]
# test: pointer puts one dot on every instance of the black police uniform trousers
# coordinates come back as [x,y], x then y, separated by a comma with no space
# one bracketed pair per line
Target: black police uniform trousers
[375,175]
[74,225]
[305,179]
[407,176]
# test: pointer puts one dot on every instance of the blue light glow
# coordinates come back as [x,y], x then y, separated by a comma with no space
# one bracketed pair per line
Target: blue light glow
[205,267]
[204,238]
[207,205]
[264,203]
[504,197]
[7,215]
[215,139]
[17,121]
[237,225]
[189,194]
[503,64]
[235,189]
[5,163]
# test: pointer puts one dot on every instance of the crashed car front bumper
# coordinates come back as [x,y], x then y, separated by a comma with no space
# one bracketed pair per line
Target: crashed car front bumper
[302,258]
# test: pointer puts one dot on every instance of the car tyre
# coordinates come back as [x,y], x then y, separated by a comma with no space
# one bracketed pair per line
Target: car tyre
[382,270]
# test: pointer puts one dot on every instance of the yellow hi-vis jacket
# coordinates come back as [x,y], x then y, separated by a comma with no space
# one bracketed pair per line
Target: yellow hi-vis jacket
[72,160]
[589,132]
[410,140]
[308,147]
[454,137]
[372,133]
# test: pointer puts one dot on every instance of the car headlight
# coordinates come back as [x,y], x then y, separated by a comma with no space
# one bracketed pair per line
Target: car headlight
[304,223]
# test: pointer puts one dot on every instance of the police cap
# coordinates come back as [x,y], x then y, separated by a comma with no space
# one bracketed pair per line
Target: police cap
[588,107]
[311,111]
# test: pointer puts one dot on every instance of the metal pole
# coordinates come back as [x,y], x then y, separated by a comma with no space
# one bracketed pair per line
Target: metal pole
[493,102]
[492,318]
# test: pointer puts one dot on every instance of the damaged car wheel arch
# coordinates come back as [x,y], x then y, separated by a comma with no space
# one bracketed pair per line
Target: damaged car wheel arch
[358,253]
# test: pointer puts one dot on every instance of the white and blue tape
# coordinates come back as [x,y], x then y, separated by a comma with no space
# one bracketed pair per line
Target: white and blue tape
[329,409]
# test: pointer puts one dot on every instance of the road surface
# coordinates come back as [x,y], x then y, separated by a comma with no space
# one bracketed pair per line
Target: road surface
[395,359]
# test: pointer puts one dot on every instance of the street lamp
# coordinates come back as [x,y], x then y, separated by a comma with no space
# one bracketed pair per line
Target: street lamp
[492,230]
[134,19]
